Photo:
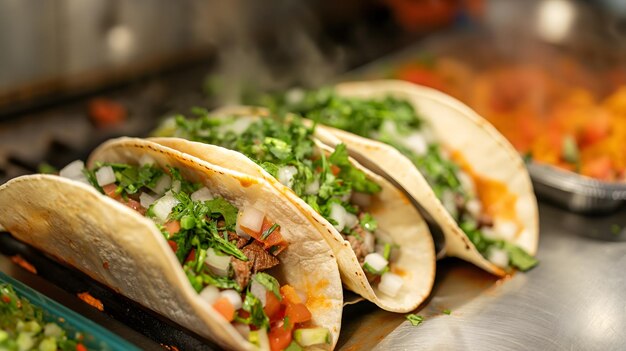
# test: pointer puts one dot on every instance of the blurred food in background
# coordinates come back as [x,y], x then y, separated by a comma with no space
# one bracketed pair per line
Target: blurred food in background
[563,122]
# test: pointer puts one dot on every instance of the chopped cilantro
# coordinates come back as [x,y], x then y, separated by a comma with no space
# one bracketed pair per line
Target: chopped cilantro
[257,317]
[447,311]
[269,231]
[415,319]
[270,283]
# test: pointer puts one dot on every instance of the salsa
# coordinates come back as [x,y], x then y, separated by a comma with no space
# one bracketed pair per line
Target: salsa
[224,251]
[22,326]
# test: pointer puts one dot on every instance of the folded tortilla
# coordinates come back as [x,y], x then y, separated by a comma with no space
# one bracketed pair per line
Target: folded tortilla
[125,251]
[392,209]
[461,130]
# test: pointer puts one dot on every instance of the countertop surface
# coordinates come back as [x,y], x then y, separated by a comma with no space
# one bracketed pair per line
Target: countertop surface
[574,300]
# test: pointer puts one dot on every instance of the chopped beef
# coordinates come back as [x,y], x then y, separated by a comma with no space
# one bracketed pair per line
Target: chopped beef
[239,241]
[485,221]
[242,270]
[261,259]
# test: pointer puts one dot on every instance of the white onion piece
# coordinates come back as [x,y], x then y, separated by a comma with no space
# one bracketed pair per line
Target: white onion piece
[105,176]
[416,142]
[163,184]
[251,218]
[176,186]
[73,170]
[259,291]
[390,284]
[202,194]
[338,214]
[467,183]
[506,230]
[351,220]
[294,96]
[489,233]
[285,175]
[361,199]
[234,298]
[376,261]
[237,126]
[218,264]
[313,187]
[447,199]
[389,127]
[146,160]
[369,241]
[146,200]
[163,206]
[210,294]
[242,329]
[499,257]
[474,207]
[264,341]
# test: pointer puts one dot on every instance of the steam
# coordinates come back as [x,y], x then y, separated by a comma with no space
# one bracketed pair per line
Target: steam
[263,47]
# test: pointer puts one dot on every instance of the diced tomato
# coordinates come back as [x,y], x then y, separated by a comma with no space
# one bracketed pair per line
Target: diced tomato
[225,308]
[172,227]
[280,336]
[289,294]
[191,256]
[80,347]
[7,299]
[272,305]
[106,113]
[595,129]
[335,170]
[109,190]
[172,245]
[275,239]
[298,313]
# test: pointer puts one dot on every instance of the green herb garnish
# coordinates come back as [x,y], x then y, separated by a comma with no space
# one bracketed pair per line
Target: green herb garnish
[415,319]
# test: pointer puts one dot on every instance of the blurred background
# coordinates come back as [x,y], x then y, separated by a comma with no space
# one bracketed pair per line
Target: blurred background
[75,72]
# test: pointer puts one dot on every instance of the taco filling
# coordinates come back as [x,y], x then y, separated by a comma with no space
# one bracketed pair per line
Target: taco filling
[488,221]
[328,183]
[226,252]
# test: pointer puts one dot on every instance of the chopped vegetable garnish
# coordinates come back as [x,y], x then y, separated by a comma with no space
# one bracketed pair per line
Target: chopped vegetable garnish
[447,311]
[415,319]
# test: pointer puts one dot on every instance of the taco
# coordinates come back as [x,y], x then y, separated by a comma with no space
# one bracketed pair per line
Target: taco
[453,162]
[382,244]
[221,253]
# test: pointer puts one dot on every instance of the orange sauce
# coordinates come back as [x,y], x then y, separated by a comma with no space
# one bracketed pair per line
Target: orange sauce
[315,299]
[246,182]
[496,199]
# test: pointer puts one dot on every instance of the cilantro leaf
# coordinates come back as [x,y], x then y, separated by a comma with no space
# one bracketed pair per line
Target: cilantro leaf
[258,318]
[415,319]
[270,283]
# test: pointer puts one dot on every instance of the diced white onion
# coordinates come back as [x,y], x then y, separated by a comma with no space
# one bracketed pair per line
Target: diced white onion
[146,160]
[286,174]
[474,207]
[390,284]
[163,207]
[176,186]
[369,241]
[506,230]
[251,218]
[210,294]
[163,184]
[232,296]
[338,214]
[499,257]
[313,188]
[376,261]
[73,170]
[294,96]
[259,291]
[264,341]
[218,264]
[489,233]
[146,200]
[240,231]
[242,329]
[467,183]
[351,220]
[105,176]
[237,126]
[361,199]
[389,127]
[202,194]
[416,143]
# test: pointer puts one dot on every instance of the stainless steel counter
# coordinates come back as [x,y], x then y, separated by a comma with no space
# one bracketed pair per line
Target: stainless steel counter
[574,300]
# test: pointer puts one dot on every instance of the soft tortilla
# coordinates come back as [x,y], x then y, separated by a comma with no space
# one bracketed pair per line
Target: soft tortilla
[393,210]
[125,251]
[458,128]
